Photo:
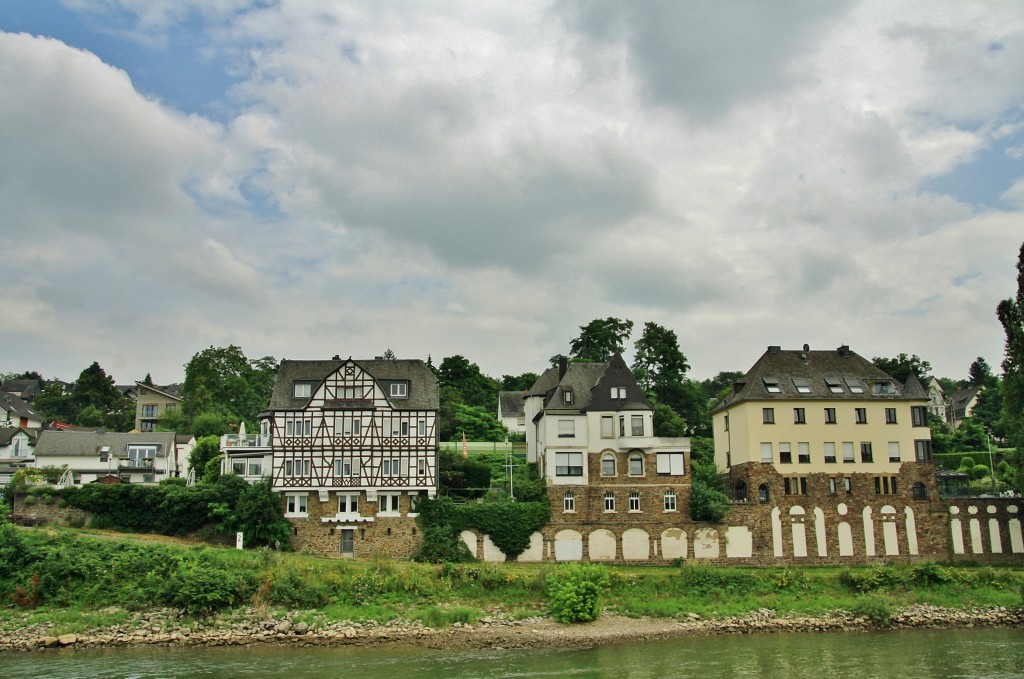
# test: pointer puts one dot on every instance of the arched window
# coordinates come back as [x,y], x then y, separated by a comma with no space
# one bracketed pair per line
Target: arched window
[741,491]
[607,465]
[762,493]
[569,501]
[920,492]
[609,502]
[636,464]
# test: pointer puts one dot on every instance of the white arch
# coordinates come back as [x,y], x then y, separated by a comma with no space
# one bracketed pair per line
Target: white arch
[799,530]
[705,543]
[869,532]
[469,537]
[819,531]
[601,545]
[673,543]
[890,536]
[777,531]
[911,528]
[636,545]
[568,545]
[535,552]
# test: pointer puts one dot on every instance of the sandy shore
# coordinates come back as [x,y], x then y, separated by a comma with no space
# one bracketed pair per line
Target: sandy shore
[161,628]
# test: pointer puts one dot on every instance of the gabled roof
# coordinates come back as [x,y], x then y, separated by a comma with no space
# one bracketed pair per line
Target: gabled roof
[88,443]
[16,407]
[589,383]
[511,404]
[423,387]
[961,400]
[170,391]
[833,375]
[26,389]
[8,433]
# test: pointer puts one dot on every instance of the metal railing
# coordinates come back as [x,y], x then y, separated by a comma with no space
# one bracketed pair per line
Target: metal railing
[245,441]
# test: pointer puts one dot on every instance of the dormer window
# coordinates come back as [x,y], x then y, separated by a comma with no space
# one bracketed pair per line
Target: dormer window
[618,392]
[567,397]
[834,385]
[771,385]
[854,385]
[302,389]
[802,385]
[399,390]
[882,388]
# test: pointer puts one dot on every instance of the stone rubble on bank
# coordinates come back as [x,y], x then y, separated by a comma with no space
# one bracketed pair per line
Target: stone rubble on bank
[163,627]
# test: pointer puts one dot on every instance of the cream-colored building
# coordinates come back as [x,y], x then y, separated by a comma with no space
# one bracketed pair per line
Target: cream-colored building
[824,416]
[153,402]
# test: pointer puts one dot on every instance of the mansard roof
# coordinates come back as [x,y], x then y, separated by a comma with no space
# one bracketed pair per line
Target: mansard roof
[832,375]
[53,442]
[423,386]
[591,385]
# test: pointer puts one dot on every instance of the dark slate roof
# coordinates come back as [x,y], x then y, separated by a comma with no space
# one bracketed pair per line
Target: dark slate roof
[583,379]
[26,389]
[7,433]
[88,443]
[961,399]
[423,387]
[171,390]
[511,404]
[810,369]
[17,407]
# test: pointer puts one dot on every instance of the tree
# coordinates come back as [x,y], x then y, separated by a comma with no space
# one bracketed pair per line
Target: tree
[479,424]
[207,448]
[54,404]
[258,514]
[659,364]
[518,382]
[1011,315]
[988,409]
[389,355]
[667,422]
[721,384]
[222,380]
[899,368]
[475,388]
[707,501]
[92,401]
[601,338]
[980,374]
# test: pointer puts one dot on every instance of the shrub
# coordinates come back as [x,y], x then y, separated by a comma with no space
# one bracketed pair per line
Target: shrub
[875,608]
[709,579]
[442,544]
[574,592]
[200,587]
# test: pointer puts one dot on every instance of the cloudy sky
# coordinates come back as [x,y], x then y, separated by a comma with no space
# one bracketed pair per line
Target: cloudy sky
[306,179]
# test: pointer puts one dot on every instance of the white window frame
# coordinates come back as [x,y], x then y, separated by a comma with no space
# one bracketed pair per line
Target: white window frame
[569,502]
[421,427]
[829,448]
[302,390]
[618,393]
[671,463]
[848,452]
[399,390]
[254,468]
[296,504]
[568,463]
[566,429]
[639,458]
[388,504]
[390,467]
[609,502]
[343,467]
[351,503]
[634,501]
[767,455]
[636,425]
[894,451]
[609,457]
[669,501]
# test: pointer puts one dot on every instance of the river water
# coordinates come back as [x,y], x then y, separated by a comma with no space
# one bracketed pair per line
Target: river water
[939,654]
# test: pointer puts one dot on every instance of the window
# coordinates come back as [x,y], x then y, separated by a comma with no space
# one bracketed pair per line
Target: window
[725,421]
[796,485]
[421,427]
[833,485]
[862,415]
[762,493]
[802,385]
[387,503]
[255,469]
[238,468]
[890,416]
[298,427]
[636,464]
[766,453]
[848,451]
[670,500]
[920,492]
[634,501]
[618,392]
[348,504]
[622,425]
[834,385]
[885,485]
[847,485]
[768,415]
[865,452]
[302,390]
[607,465]
[670,463]
[799,416]
[149,410]
[882,388]
[351,393]
[830,452]
[343,468]
[636,425]
[171,407]
[854,385]
[566,429]
[293,468]
[894,451]
[421,467]
[295,504]
[919,416]
[785,453]
[771,385]
[830,415]
[399,390]
[405,428]
[567,396]
[803,453]
[569,501]
[147,426]
[923,450]
[390,467]
[609,502]
[607,427]
[568,464]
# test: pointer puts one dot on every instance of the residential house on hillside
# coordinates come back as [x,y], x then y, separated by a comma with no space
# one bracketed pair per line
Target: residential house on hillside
[937,405]
[132,457]
[613,485]
[962,402]
[15,412]
[511,412]
[350,445]
[153,402]
[26,390]
[17,450]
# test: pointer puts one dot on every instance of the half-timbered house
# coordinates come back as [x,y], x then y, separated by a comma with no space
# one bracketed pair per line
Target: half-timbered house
[350,446]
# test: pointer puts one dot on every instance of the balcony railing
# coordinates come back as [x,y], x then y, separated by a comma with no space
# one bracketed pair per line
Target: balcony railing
[145,464]
[245,441]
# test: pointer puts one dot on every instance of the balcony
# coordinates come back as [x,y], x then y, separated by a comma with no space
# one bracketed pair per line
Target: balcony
[244,441]
[130,465]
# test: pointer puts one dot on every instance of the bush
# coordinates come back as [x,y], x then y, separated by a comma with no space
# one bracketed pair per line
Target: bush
[200,587]
[574,592]
[876,609]
[442,544]
[704,580]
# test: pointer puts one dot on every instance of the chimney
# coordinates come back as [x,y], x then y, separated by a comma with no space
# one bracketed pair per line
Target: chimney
[774,349]
[563,365]
[844,350]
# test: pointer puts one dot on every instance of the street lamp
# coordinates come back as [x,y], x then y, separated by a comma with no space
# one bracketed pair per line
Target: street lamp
[991,464]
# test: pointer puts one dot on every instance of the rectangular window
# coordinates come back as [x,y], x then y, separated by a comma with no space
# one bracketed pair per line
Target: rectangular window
[387,503]
[855,386]
[833,485]
[919,416]
[390,468]
[567,396]
[568,464]
[834,385]
[830,415]
[862,415]
[785,453]
[607,427]
[149,410]
[294,468]
[799,416]
[885,485]
[771,385]
[348,504]
[890,416]
[295,504]
[622,425]
[343,468]
[351,393]
[566,429]
[608,465]
[405,428]
[421,427]
[569,502]
[636,465]
[637,425]
[766,453]
[634,501]
[802,385]
[670,500]
[255,469]
[670,463]
[830,452]
[302,390]
[803,453]
[399,389]
[894,451]
[421,467]
[866,455]
[768,415]
[238,468]
[848,451]
[609,502]
[618,392]
[847,485]
[794,485]
[923,450]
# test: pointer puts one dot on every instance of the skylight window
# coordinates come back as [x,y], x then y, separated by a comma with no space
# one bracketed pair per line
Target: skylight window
[834,385]
[771,385]
[802,385]
[854,385]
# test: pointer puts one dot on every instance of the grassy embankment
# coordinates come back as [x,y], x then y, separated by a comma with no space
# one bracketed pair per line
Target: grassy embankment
[79,582]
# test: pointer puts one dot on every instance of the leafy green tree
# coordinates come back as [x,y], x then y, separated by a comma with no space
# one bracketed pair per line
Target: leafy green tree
[659,364]
[988,409]
[980,374]
[460,476]
[258,514]
[479,424]
[222,380]
[601,338]
[667,422]
[209,424]
[1011,315]
[54,404]
[707,500]
[721,384]
[970,436]
[475,388]
[518,382]
[206,448]
[899,368]
[92,401]
[447,414]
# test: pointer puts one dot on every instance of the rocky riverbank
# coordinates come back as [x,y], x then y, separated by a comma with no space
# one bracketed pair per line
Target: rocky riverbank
[247,628]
